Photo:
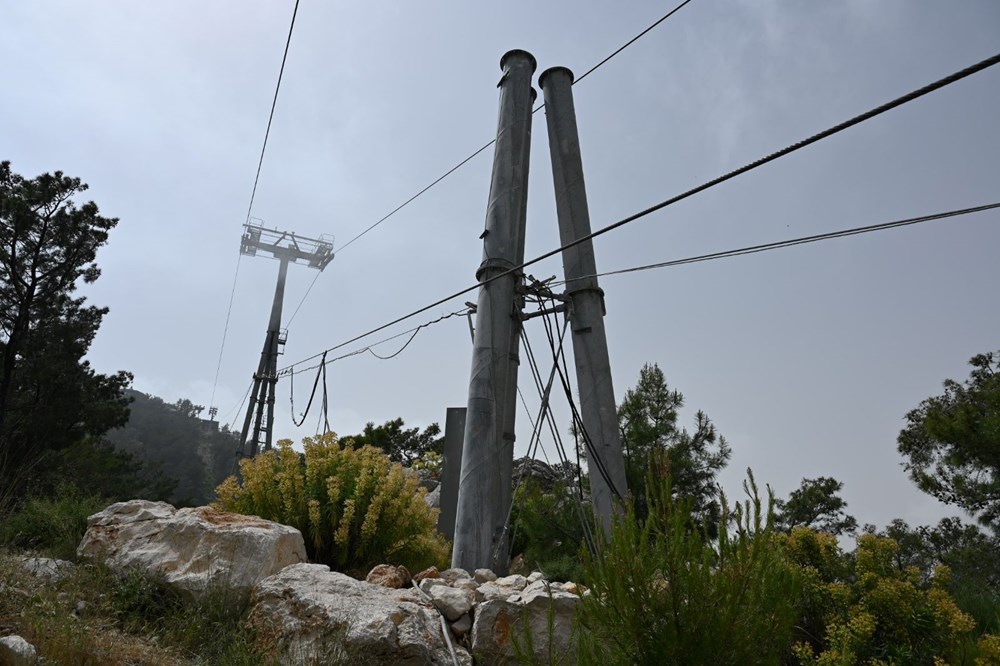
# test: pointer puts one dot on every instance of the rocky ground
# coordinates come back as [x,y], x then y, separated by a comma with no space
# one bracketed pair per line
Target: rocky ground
[295,612]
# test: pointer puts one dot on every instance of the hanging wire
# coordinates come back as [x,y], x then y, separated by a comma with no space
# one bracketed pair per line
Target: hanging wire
[312,394]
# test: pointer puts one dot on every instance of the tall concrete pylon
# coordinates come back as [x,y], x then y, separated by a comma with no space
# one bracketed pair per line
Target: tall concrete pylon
[598,409]
[484,492]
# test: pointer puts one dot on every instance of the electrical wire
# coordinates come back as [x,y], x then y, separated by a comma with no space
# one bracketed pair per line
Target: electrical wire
[412,332]
[291,397]
[802,240]
[476,153]
[559,361]
[487,145]
[909,97]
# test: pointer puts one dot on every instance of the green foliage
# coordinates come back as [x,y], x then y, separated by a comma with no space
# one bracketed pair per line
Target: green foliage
[972,556]
[53,526]
[432,463]
[952,442]
[354,507]
[402,445]
[172,439]
[647,418]
[663,593]
[864,610]
[548,531]
[104,471]
[50,398]
[816,505]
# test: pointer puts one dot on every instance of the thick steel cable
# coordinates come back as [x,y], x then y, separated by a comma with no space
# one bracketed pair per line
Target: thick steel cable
[802,240]
[225,330]
[253,194]
[969,71]
[274,103]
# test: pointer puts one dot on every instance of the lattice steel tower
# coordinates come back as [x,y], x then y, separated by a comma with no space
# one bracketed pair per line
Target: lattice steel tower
[287,248]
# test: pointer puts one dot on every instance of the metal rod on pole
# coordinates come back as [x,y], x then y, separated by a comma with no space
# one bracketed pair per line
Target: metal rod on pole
[590,345]
[488,446]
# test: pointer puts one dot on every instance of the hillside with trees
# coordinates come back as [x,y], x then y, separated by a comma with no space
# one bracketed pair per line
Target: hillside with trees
[193,453]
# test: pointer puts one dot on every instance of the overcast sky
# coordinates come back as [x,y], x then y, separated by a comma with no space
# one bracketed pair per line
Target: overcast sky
[807,359]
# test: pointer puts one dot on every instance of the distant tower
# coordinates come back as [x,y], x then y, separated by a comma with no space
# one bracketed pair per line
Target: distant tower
[287,248]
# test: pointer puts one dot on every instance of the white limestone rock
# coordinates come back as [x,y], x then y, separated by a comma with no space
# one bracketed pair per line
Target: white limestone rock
[500,622]
[451,575]
[517,582]
[427,583]
[16,651]
[453,603]
[484,576]
[195,550]
[307,614]
[47,569]
[433,498]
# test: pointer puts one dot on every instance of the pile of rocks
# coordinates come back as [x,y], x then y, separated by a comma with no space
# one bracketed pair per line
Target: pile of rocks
[306,613]
[314,614]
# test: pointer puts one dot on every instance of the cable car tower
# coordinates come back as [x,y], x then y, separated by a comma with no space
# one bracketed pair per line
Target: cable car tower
[287,248]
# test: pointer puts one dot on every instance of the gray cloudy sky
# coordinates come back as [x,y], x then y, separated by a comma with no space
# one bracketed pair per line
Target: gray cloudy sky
[807,359]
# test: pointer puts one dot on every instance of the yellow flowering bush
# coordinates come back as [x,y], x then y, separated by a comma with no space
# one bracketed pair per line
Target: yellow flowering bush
[989,650]
[354,507]
[870,611]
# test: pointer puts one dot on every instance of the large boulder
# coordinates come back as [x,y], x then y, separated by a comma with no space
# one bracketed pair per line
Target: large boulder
[307,614]
[195,550]
[499,623]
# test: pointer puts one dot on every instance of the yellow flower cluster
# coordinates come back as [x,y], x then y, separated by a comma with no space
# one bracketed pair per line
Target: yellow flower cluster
[354,507]
[873,612]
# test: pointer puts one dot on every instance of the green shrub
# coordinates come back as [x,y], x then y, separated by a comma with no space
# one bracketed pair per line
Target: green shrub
[354,507]
[547,530]
[662,593]
[862,609]
[51,525]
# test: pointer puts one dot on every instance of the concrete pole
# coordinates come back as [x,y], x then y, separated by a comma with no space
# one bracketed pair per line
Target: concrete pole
[590,345]
[488,446]
[454,431]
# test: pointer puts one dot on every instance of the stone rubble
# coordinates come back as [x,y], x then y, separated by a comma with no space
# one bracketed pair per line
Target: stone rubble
[325,615]
[307,614]
[48,569]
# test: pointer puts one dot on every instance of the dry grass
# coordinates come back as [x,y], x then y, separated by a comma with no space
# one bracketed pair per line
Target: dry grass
[95,617]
